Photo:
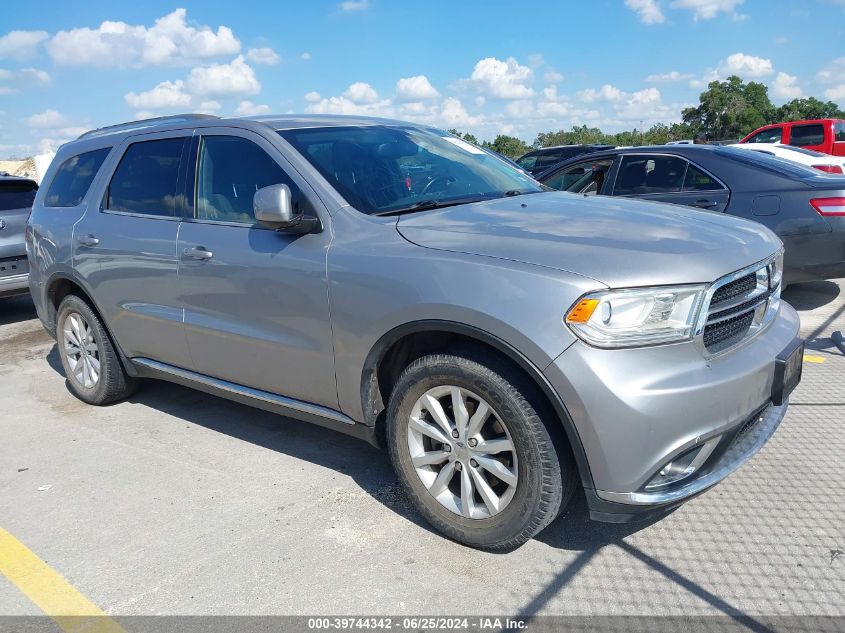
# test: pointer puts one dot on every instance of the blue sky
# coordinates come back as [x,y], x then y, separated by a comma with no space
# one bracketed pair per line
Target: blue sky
[486,67]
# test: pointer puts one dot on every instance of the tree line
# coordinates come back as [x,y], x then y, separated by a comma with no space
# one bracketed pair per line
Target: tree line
[727,110]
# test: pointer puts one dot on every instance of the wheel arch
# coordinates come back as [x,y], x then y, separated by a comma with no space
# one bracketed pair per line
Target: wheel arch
[392,352]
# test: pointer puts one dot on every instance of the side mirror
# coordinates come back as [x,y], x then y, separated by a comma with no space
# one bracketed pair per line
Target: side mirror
[274,209]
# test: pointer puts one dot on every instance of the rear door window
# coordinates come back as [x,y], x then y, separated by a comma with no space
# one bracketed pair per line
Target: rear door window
[74,177]
[649,174]
[146,180]
[16,194]
[772,135]
[803,135]
[839,131]
[697,180]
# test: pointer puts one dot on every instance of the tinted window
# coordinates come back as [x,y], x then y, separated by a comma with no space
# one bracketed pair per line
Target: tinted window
[802,135]
[16,194]
[772,135]
[649,174]
[839,131]
[146,179]
[229,172]
[586,177]
[74,177]
[697,180]
[528,161]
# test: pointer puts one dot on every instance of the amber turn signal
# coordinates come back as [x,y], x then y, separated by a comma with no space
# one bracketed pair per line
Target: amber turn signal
[582,311]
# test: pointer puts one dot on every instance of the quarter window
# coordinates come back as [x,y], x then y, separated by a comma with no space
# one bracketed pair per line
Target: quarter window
[772,135]
[146,180]
[803,135]
[839,131]
[74,177]
[229,172]
[697,180]
[649,174]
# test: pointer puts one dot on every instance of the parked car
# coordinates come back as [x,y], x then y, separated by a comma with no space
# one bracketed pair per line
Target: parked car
[16,196]
[541,159]
[507,344]
[800,155]
[803,206]
[823,135]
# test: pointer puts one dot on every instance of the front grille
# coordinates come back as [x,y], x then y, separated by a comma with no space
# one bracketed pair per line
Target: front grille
[720,336]
[737,308]
[737,288]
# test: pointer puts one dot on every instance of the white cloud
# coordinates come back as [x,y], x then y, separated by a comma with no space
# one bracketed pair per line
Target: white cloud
[669,77]
[361,93]
[786,87]
[501,79]
[709,9]
[536,60]
[415,88]
[832,75]
[234,78]
[354,5]
[208,107]
[169,41]
[645,105]
[305,56]
[648,11]
[312,97]
[21,44]
[248,108]
[47,120]
[605,93]
[454,114]
[13,81]
[167,94]
[745,66]
[263,56]
[552,77]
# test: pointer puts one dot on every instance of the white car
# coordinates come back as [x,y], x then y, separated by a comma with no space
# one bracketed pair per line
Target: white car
[808,157]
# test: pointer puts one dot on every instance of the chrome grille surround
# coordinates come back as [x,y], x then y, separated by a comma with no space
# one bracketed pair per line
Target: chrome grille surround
[757,306]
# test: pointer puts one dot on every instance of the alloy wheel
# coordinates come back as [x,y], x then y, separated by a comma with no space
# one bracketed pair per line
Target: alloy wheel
[81,350]
[462,452]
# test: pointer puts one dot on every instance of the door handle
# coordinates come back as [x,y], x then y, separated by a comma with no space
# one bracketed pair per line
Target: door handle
[197,252]
[705,204]
[87,240]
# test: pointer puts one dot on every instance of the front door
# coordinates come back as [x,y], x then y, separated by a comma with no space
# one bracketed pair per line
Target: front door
[256,300]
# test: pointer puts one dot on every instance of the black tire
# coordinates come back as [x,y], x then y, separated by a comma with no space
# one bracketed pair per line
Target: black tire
[546,476]
[113,382]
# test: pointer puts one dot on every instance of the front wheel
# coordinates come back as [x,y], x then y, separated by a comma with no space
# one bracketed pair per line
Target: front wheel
[473,453]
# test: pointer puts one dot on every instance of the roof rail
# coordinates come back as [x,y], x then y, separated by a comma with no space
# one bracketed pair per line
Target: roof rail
[175,118]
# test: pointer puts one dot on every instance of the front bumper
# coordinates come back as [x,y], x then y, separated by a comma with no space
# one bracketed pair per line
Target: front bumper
[637,409]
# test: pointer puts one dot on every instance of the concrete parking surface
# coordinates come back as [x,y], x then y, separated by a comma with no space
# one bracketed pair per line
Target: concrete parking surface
[176,502]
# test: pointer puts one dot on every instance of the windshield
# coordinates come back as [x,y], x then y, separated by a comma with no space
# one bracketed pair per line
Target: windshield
[382,169]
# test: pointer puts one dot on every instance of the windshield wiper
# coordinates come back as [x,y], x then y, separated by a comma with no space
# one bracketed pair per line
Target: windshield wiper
[429,204]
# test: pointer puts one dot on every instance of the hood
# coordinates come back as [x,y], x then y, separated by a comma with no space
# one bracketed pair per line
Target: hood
[616,241]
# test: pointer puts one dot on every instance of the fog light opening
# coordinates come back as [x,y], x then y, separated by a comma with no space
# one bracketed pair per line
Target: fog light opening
[683,466]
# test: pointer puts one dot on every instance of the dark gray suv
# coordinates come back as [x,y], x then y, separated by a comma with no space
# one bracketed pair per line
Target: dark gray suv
[509,345]
[16,197]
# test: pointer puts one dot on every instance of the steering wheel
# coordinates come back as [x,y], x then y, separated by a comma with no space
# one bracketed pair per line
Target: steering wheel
[447,180]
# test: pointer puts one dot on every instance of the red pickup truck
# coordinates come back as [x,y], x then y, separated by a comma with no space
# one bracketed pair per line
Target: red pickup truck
[822,135]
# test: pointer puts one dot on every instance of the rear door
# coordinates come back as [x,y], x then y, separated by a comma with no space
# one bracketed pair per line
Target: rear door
[16,197]
[667,178]
[256,300]
[815,136]
[125,247]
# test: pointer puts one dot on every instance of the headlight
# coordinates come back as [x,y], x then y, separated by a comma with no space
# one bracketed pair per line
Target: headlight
[776,270]
[642,316]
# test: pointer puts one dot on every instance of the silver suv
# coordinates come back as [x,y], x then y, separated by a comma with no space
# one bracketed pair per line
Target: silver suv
[509,345]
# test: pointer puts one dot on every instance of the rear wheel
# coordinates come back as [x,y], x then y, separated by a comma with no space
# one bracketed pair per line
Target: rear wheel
[473,453]
[93,370]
